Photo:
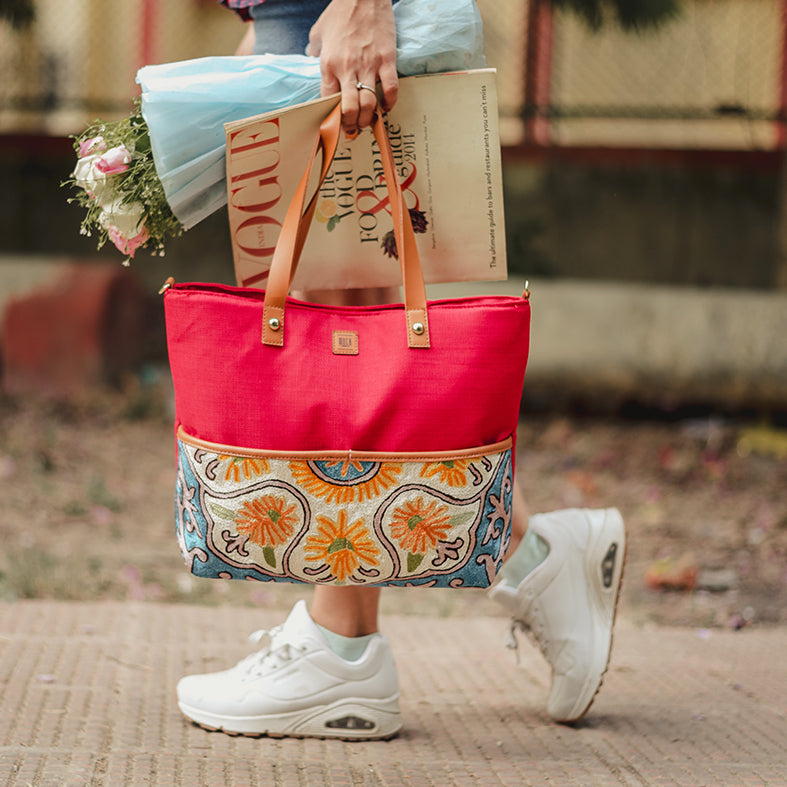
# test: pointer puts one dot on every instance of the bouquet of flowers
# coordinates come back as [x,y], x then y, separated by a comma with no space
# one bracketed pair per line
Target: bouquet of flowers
[119,188]
[160,171]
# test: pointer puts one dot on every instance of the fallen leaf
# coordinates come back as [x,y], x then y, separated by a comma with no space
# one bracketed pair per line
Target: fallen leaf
[673,574]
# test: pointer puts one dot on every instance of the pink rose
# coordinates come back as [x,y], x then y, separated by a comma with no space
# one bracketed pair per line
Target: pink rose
[127,245]
[114,161]
[92,145]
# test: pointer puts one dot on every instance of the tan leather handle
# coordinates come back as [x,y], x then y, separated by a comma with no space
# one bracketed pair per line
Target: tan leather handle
[296,227]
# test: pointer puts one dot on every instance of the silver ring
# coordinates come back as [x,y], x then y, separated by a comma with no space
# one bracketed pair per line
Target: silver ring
[361,86]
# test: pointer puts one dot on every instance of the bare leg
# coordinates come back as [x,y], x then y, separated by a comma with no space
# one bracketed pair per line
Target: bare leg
[519,518]
[368,296]
[349,611]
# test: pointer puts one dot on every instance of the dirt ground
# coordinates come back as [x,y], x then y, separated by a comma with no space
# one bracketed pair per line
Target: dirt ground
[87,488]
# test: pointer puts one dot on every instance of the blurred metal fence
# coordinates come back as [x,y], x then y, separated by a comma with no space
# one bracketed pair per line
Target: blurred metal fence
[79,57]
[714,77]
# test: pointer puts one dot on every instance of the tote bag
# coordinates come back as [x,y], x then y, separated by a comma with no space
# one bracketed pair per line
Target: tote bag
[353,445]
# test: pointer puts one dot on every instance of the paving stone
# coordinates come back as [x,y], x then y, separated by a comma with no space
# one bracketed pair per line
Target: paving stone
[98,708]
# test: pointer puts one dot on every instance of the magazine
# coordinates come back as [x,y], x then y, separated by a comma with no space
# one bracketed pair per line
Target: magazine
[444,136]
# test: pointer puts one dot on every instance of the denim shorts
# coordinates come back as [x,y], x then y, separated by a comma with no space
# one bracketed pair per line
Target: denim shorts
[281,27]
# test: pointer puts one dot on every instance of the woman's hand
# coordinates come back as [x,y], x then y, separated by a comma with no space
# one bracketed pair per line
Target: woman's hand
[356,42]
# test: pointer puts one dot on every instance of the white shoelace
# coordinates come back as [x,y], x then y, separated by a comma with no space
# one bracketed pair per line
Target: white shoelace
[275,655]
[511,642]
[519,626]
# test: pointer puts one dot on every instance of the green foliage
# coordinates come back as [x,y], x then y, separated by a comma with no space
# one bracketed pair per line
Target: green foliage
[631,15]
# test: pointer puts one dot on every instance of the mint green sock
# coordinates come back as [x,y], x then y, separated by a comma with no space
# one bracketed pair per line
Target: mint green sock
[530,553]
[347,648]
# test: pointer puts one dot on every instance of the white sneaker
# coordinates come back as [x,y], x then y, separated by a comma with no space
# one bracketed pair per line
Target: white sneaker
[299,687]
[568,602]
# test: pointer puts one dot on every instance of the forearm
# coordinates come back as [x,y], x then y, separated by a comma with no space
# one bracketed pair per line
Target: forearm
[246,46]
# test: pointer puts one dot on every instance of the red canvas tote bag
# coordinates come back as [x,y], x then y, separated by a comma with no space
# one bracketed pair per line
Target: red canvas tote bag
[346,445]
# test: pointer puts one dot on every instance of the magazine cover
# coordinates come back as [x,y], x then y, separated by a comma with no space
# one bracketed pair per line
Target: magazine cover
[444,135]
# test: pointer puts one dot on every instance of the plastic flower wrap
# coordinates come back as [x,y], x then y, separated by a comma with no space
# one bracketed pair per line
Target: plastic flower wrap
[185,105]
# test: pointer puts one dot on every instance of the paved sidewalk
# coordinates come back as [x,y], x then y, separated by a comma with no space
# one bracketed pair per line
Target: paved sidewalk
[87,699]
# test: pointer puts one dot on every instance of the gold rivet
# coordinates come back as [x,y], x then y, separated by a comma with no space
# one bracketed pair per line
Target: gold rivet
[418,328]
[274,323]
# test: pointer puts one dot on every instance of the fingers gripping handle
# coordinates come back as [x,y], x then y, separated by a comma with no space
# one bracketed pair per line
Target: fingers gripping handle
[296,226]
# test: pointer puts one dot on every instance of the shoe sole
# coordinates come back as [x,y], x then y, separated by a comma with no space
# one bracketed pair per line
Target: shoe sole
[607,542]
[347,720]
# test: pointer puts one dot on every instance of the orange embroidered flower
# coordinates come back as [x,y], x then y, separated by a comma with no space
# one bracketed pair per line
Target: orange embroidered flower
[350,486]
[343,547]
[267,521]
[451,472]
[246,466]
[419,525]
